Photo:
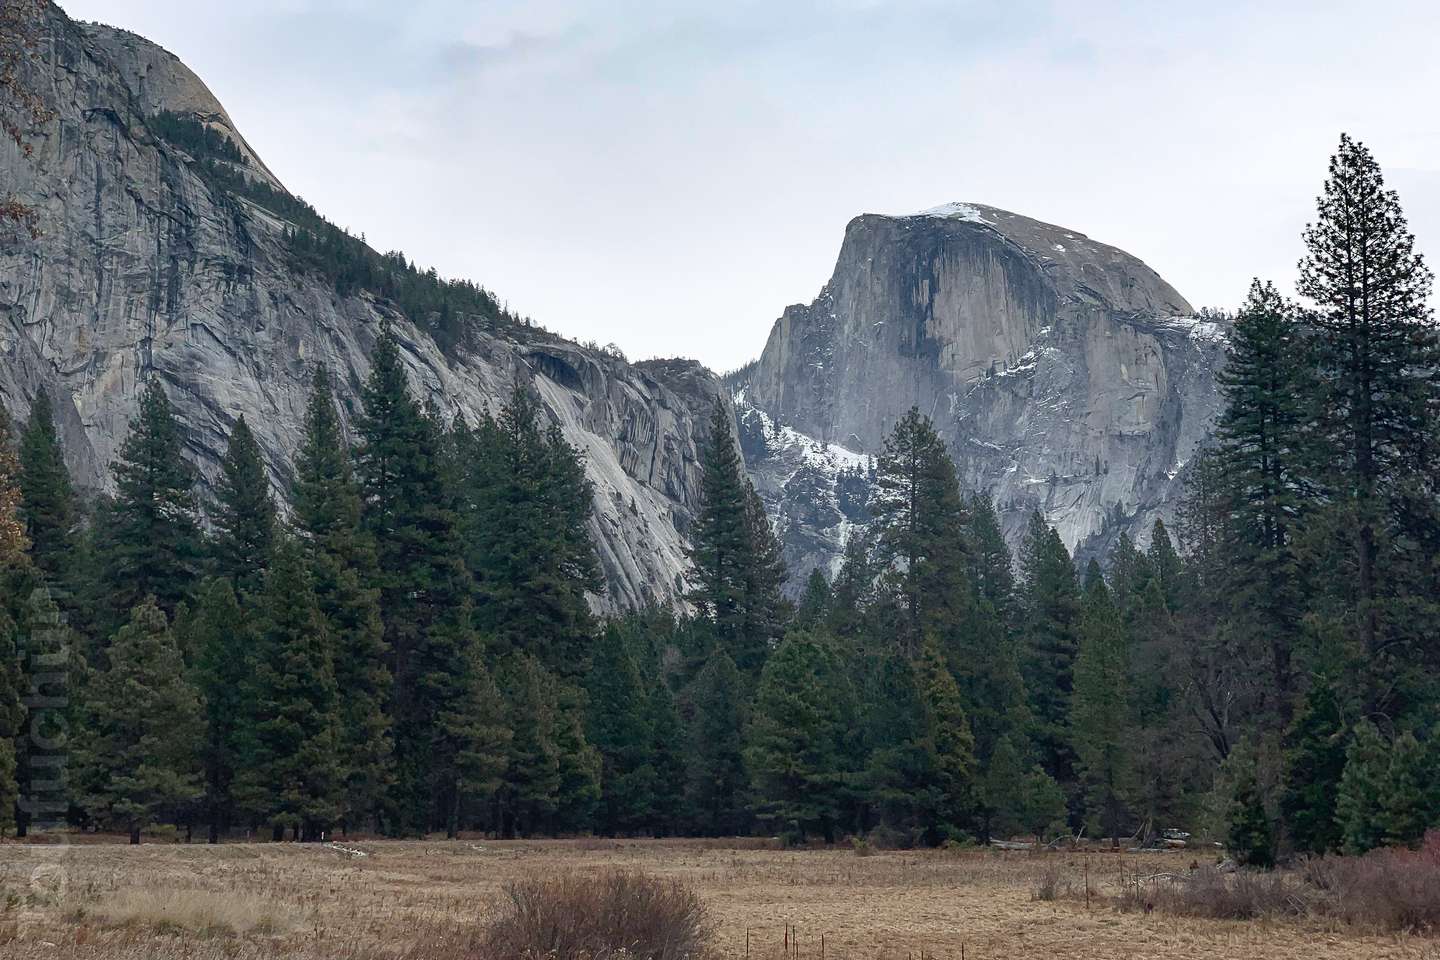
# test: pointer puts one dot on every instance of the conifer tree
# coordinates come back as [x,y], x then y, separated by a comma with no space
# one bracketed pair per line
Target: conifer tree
[1250,837]
[12,720]
[1100,713]
[530,795]
[814,601]
[474,742]
[409,510]
[734,556]
[899,783]
[1359,805]
[920,516]
[341,562]
[1050,605]
[526,510]
[579,791]
[667,753]
[619,727]
[1408,799]
[715,778]
[221,637]
[48,508]
[290,775]
[1262,449]
[1016,799]
[1315,747]
[148,537]
[794,739]
[951,742]
[1378,360]
[245,515]
[139,751]
[1169,570]
[51,676]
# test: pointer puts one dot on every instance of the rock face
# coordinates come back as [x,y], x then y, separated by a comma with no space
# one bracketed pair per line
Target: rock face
[143,269]
[1064,374]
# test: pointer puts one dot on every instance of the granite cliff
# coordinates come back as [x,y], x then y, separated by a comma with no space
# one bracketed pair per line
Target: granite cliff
[145,266]
[1065,375]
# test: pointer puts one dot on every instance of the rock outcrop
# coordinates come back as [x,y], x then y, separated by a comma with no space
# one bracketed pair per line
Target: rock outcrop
[1064,374]
[144,268]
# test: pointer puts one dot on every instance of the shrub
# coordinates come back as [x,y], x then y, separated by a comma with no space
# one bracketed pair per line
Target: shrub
[584,917]
[1389,889]
[1215,895]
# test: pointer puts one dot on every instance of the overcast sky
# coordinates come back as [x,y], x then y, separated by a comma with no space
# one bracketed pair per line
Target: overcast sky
[669,174]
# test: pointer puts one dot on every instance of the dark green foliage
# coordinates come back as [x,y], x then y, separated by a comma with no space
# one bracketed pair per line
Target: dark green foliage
[148,537]
[1314,763]
[474,740]
[1410,799]
[793,744]
[1017,798]
[735,559]
[220,637]
[342,565]
[290,774]
[526,507]
[952,746]
[1262,449]
[920,513]
[1359,806]
[138,756]
[409,510]
[814,602]
[1101,712]
[531,793]
[48,506]
[1050,612]
[715,776]
[619,726]
[245,517]
[1377,379]
[1251,838]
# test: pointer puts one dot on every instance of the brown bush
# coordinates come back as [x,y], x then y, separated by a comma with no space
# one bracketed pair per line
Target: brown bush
[1391,889]
[587,917]
[1209,893]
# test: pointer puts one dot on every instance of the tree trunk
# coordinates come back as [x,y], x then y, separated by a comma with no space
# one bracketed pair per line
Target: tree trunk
[135,836]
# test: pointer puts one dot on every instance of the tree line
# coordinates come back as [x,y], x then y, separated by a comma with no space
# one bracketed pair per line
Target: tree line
[409,648]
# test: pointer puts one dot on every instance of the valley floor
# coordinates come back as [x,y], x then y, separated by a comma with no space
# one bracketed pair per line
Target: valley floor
[311,901]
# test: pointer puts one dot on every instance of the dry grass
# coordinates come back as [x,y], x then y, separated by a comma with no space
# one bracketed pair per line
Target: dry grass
[200,913]
[434,900]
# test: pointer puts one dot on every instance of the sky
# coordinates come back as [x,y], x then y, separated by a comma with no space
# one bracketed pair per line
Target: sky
[668,175]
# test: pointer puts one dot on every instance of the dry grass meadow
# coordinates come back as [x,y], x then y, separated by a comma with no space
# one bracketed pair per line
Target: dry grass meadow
[424,899]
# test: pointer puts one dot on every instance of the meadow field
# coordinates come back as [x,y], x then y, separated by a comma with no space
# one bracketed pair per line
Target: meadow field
[427,899]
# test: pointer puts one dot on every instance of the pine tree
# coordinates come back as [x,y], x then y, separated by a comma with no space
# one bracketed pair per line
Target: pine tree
[1315,747]
[148,537]
[1262,440]
[48,507]
[12,720]
[1016,799]
[715,778]
[667,757]
[409,510]
[579,791]
[1100,714]
[51,676]
[245,515]
[1379,387]
[899,782]
[526,509]
[1359,803]
[341,562]
[793,742]
[474,738]
[290,776]
[920,517]
[138,753]
[619,727]
[1050,610]
[530,795]
[951,743]
[221,637]
[1250,837]
[735,560]
[1169,569]
[1408,799]
[814,601]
